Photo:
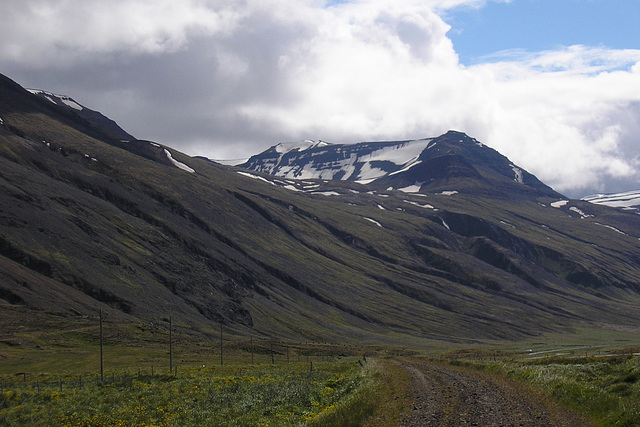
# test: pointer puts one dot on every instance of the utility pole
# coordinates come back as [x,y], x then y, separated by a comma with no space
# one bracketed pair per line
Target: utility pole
[221,359]
[101,356]
[170,347]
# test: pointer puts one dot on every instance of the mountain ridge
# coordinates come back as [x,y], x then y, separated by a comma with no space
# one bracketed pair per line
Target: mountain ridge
[96,118]
[88,222]
[398,164]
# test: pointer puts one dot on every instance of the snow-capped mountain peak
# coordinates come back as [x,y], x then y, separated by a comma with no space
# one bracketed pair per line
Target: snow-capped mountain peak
[415,164]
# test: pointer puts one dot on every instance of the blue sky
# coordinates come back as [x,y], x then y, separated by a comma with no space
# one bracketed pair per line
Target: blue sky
[536,25]
[552,84]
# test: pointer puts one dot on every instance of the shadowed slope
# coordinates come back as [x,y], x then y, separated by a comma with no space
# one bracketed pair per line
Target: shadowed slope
[87,223]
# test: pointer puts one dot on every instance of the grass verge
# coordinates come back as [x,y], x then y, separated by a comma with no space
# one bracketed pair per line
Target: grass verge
[606,389]
[346,392]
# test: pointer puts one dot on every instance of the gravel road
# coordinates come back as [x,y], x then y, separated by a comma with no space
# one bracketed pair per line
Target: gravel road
[447,396]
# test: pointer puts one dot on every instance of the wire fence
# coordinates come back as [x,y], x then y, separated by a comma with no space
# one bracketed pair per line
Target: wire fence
[233,352]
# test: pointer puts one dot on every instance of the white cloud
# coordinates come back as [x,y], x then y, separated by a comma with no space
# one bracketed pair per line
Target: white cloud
[227,79]
[562,114]
[61,33]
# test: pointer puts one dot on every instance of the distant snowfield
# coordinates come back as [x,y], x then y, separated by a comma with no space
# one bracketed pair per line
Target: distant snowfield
[355,166]
[619,200]
[231,162]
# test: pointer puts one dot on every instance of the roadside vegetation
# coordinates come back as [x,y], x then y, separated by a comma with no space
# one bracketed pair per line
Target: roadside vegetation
[344,392]
[51,376]
[603,386]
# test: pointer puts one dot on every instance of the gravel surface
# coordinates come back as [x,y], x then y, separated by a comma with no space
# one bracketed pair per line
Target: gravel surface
[446,396]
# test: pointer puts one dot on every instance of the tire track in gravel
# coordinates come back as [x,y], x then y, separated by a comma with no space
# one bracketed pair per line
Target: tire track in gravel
[447,396]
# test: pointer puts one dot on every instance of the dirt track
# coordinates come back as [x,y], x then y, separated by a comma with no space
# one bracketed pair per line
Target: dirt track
[446,396]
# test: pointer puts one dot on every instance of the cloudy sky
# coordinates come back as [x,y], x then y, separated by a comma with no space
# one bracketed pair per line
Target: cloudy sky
[553,85]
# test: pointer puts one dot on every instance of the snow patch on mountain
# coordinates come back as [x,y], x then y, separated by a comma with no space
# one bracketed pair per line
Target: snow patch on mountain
[412,188]
[252,176]
[286,147]
[58,99]
[402,154]
[367,172]
[611,228]
[326,193]
[628,199]
[580,212]
[373,221]
[177,163]
[519,175]
[362,163]
[409,165]
[427,206]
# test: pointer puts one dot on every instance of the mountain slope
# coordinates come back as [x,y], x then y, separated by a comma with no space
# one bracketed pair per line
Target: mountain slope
[96,118]
[88,223]
[413,166]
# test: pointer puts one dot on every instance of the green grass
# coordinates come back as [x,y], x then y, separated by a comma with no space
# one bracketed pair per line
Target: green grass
[339,392]
[606,389]
[604,386]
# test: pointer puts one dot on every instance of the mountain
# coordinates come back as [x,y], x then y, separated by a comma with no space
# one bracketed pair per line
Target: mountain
[418,166]
[450,241]
[96,118]
[627,200]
